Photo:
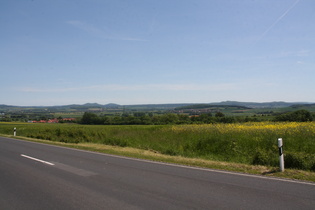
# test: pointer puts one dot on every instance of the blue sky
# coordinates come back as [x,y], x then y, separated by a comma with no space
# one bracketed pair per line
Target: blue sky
[147,52]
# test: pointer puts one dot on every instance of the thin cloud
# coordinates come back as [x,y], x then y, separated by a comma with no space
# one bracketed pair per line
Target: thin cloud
[299,53]
[280,18]
[85,27]
[193,87]
[47,90]
[149,87]
[105,34]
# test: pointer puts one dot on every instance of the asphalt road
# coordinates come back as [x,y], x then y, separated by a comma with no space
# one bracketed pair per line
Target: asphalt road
[37,176]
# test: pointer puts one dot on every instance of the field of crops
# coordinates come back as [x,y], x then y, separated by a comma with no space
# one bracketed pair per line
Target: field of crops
[250,143]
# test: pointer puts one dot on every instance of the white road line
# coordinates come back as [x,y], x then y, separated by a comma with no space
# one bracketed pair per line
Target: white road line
[42,161]
[181,166]
[77,171]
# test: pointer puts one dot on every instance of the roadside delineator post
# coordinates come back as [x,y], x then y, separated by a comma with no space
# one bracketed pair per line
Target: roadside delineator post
[14,131]
[281,158]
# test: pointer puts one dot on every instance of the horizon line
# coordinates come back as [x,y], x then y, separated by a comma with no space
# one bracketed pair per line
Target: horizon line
[296,102]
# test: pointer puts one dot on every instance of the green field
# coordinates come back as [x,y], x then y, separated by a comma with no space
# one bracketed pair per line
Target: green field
[245,143]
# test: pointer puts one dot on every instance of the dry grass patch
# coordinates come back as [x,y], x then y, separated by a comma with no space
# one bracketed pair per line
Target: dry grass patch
[195,162]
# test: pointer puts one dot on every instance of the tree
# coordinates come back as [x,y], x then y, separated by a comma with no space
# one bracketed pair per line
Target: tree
[206,118]
[219,114]
[139,114]
[169,118]
[297,116]
[89,118]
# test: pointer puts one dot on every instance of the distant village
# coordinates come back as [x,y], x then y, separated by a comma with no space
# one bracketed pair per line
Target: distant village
[55,120]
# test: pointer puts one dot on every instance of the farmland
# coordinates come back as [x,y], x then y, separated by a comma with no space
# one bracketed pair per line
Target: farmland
[240,111]
[252,143]
[228,135]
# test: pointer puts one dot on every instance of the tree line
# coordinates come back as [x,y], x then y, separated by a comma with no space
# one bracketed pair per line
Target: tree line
[142,118]
[296,116]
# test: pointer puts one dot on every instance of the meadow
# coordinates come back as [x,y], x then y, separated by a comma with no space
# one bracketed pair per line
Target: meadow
[252,143]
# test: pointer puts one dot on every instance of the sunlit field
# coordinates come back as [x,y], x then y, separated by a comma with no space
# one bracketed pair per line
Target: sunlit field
[250,143]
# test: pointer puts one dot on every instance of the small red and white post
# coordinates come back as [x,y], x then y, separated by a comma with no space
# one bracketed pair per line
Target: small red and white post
[14,131]
[281,158]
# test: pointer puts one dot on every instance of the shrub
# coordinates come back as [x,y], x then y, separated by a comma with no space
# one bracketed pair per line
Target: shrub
[264,158]
[169,151]
[115,142]
[297,116]
[250,143]
[296,160]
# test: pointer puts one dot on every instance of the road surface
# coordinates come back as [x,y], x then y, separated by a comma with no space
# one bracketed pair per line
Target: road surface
[38,176]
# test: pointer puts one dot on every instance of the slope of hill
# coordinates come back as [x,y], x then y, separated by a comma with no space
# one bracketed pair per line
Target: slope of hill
[276,104]
[151,107]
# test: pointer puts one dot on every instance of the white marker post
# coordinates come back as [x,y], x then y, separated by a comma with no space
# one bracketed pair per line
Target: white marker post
[14,133]
[281,158]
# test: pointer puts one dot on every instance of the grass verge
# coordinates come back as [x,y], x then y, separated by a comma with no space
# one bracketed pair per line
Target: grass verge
[196,162]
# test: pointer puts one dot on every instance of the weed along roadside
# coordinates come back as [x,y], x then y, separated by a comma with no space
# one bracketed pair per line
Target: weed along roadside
[242,147]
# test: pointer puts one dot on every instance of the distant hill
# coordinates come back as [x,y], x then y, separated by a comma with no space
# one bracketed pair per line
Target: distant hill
[302,105]
[146,107]
[155,106]
[5,106]
[209,106]
[276,104]
[112,106]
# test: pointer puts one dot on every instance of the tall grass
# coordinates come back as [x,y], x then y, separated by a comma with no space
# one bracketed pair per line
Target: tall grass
[251,143]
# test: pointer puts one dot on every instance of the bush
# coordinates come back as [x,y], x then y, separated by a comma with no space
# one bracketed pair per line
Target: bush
[264,158]
[169,151]
[115,142]
[299,161]
[249,143]
[297,116]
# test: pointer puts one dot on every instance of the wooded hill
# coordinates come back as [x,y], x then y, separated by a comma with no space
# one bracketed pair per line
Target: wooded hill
[264,111]
[143,107]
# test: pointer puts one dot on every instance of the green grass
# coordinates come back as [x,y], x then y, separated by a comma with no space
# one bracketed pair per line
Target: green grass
[250,144]
[196,162]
